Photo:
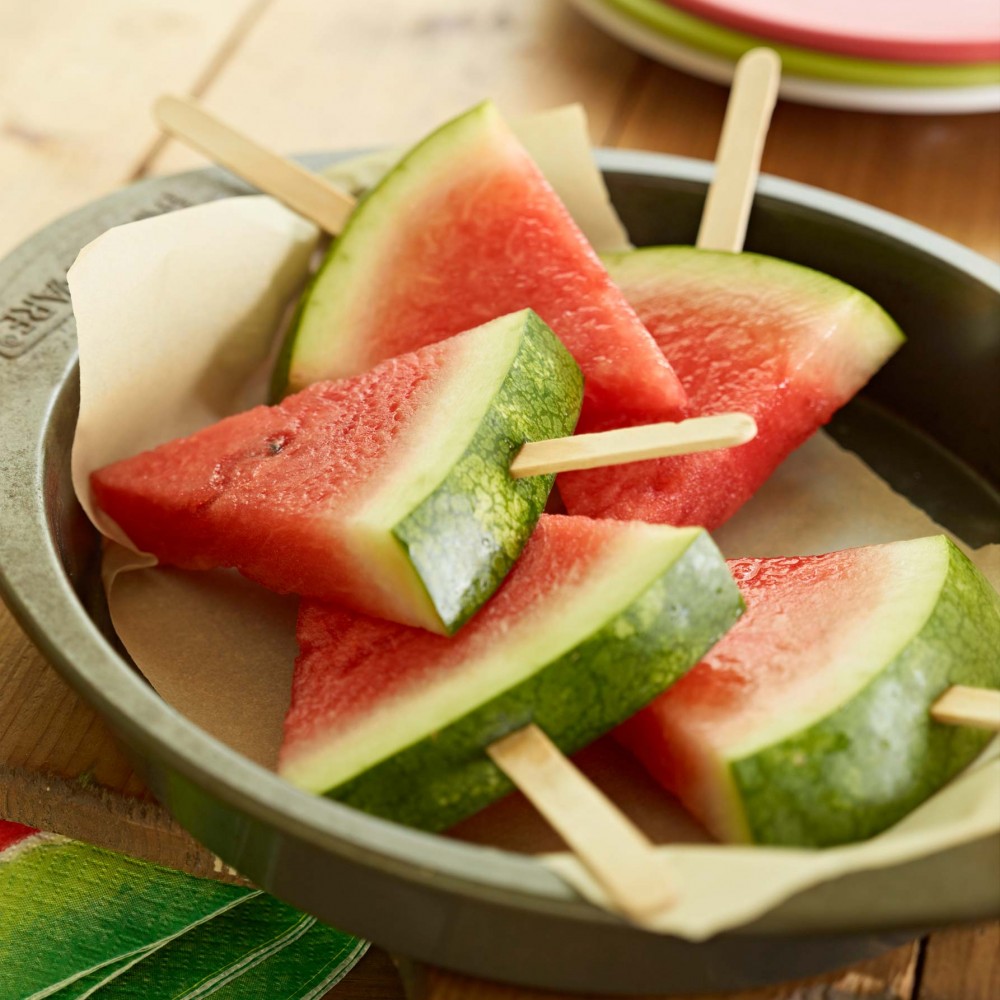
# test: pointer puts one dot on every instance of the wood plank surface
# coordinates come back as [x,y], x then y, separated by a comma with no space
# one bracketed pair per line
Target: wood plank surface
[889,977]
[962,965]
[76,82]
[383,73]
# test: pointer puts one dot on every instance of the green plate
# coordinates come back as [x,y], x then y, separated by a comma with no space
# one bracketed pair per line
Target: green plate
[711,38]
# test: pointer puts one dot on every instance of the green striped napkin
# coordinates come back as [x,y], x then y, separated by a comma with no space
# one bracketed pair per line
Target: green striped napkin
[77,921]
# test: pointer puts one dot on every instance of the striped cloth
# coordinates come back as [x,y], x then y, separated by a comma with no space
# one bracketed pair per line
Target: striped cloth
[77,921]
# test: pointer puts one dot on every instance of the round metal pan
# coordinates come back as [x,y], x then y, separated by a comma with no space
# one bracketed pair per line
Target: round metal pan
[929,423]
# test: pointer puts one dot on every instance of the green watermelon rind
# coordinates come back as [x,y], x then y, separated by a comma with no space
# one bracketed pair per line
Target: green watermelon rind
[317,337]
[624,662]
[872,332]
[465,536]
[827,784]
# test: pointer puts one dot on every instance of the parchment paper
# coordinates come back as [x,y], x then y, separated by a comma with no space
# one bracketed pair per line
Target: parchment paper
[173,316]
[175,319]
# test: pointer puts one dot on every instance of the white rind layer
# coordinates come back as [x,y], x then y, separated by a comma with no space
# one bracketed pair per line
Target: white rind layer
[908,584]
[421,458]
[820,311]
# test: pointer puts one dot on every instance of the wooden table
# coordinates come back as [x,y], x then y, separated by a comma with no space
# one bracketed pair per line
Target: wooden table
[76,83]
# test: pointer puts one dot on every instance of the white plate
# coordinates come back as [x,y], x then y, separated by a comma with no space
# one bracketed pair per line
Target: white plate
[900,100]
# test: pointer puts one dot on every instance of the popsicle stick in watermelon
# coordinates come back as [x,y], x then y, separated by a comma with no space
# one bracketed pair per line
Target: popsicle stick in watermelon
[741,145]
[962,705]
[595,620]
[463,229]
[828,712]
[744,332]
[392,492]
[605,839]
[633,444]
[303,191]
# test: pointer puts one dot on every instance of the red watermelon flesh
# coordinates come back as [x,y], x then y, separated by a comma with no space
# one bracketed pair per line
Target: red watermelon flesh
[181,500]
[13,833]
[744,333]
[464,229]
[808,723]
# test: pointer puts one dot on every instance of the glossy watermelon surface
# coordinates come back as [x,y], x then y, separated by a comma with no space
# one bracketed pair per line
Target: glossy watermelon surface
[466,228]
[744,332]
[595,619]
[809,723]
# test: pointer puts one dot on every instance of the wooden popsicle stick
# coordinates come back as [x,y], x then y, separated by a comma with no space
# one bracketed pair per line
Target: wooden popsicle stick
[968,706]
[606,841]
[633,444]
[737,162]
[301,190]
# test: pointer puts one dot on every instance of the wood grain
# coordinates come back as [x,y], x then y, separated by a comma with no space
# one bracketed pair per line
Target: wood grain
[888,977]
[383,73]
[76,83]
[962,965]
[46,729]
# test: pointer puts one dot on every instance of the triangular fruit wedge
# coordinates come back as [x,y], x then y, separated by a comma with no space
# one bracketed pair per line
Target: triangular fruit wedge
[809,723]
[596,619]
[747,333]
[463,229]
[389,492]
[13,833]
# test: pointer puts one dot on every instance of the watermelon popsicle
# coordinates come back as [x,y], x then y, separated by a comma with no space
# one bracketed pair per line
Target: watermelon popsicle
[595,619]
[785,344]
[812,722]
[389,492]
[463,229]
[781,342]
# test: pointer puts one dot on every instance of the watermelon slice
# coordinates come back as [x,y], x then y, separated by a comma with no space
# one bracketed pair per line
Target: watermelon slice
[745,333]
[808,724]
[463,229]
[389,492]
[596,618]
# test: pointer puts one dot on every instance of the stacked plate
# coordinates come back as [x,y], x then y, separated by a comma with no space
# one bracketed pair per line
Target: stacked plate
[904,56]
